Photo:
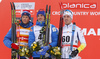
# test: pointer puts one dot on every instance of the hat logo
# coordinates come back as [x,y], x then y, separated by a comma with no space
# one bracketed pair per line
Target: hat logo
[67,11]
[24,13]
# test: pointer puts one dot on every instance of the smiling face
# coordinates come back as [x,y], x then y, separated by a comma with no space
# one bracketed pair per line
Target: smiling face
[25,19]
[67,19]
[40,17]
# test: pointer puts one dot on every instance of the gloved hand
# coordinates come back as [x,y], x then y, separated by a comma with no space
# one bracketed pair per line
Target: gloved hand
[43,50]
[35,53]
[74,53]
[14,46]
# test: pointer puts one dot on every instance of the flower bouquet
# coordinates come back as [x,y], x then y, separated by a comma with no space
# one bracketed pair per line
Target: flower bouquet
[24,51]
[56,52]
[35,47]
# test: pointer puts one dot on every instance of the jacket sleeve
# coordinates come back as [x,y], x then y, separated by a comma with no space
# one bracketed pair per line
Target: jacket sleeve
[81,39]
[7,39]
[54,36]
[31,37]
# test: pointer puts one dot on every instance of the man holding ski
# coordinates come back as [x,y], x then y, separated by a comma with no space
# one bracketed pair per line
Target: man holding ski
[24,29]
[35,33]
[71,34]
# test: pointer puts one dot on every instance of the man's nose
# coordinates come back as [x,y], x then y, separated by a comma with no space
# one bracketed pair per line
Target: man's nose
[66,18]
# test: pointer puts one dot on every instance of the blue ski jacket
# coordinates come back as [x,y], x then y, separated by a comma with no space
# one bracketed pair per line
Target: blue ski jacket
[7,39]
[32,36]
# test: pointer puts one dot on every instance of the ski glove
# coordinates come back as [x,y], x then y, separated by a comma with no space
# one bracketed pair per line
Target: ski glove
[14,46]
[43,50]
[74,53]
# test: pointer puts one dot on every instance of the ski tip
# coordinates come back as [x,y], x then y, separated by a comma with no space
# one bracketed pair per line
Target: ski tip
[61,5]
[11,5]
[49,9]
[46,5]
[46,8]
[10,2]
[74,23]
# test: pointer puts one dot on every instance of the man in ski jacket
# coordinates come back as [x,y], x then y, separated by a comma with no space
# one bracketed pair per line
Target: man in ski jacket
[67,37]
[24,30]
[34,34]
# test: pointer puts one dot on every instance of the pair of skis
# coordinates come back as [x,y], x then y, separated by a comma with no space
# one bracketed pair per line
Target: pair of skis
[61,30]
[47,25]
[14,37]
[45,31]
[60,26]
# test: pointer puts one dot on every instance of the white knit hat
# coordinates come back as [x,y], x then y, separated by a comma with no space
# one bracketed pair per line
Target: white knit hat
[68,12]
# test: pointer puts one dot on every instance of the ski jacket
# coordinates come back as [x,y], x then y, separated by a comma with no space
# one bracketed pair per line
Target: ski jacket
[24,32]
[66,40]
[34,34]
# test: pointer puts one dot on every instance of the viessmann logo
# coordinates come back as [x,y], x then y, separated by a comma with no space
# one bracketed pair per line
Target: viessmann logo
[79,5]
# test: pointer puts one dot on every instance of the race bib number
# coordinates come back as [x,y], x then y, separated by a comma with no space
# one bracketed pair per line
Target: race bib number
[66,39]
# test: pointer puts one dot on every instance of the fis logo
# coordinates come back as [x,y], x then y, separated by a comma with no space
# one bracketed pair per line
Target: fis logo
[0,1]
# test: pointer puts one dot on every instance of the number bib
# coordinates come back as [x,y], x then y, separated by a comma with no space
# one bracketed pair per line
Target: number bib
[66,41]
[66,38]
